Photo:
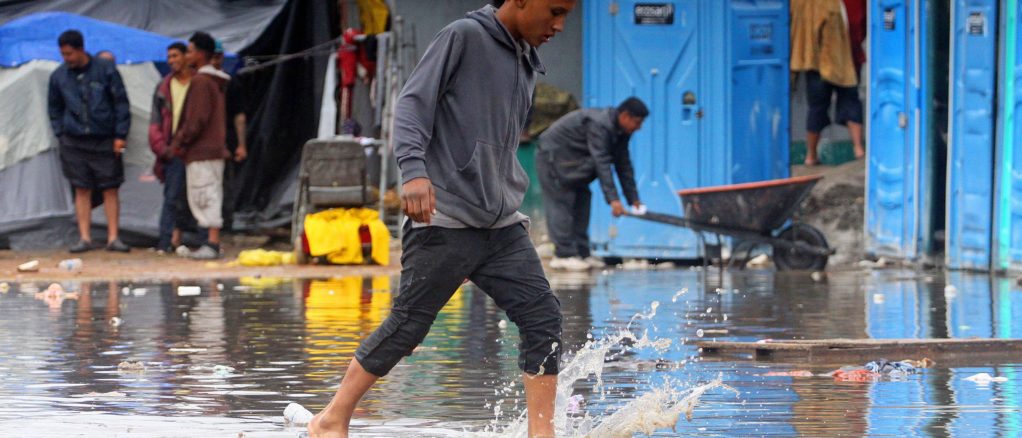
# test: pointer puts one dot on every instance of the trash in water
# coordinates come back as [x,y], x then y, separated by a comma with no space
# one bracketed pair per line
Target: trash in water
[759,261]
[879,298]
[502,324]
[921,363]
[297,415]
[635,265]
[700,333]
[189,291]
[575,404]
[187,350]
[855,374]
[116,322]
[876,370]
[222,370]
[818,276]
[879,263]
[984,378]
[132,367]
[31,266]
[713,331]
[950,291]
[70,265]
[795,373]
[139,291]
[4,287]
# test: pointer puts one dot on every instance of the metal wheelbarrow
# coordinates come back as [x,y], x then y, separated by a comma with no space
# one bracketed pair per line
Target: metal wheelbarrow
[755,213]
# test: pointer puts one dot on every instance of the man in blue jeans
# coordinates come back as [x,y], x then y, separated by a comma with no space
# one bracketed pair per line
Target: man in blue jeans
[89,113]
[456,129]
[168,102]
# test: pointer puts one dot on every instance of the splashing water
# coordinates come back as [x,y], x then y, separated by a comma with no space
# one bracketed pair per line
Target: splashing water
[657,409]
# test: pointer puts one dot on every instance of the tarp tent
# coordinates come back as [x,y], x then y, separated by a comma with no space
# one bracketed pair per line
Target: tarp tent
[283,101]
[36,198]
[238,23]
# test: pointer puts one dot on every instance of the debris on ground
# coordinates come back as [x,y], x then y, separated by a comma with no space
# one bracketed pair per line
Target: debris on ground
[984,378]
[30,266]
[70,265]
[879,263]
[261,257]
[575,404]
[836,207]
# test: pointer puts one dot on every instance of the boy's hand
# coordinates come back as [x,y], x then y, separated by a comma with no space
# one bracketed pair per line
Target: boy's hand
[119,146]
[418,200]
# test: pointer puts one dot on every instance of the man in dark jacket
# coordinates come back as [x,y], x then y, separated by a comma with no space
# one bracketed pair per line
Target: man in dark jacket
[89,112]
[582,146]
[201,140]
[456,131]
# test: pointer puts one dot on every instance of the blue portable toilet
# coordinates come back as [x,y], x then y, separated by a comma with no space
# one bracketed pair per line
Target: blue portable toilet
[970,163]
[907,69]
[1008,170]
[714,75]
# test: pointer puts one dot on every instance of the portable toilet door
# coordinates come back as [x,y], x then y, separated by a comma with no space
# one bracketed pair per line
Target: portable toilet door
[970,164]
[714,75]
[1008,170]
[900,136]
[652,51]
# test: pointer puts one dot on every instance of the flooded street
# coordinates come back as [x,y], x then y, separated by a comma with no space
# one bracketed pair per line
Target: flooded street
[225,358]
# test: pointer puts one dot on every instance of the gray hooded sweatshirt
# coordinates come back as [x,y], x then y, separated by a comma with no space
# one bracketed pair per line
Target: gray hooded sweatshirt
[459,116]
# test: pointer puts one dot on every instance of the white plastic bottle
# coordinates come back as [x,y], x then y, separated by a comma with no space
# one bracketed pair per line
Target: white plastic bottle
[297,415]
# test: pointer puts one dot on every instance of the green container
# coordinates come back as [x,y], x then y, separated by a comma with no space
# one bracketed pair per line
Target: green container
[532,205]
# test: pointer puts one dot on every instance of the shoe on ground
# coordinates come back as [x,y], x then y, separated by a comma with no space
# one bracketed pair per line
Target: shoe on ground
[183,251]
[205,252]
[80,247]
[595,262]
[117,246]
[575,264]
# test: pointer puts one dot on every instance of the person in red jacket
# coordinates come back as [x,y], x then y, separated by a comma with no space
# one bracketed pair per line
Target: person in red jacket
[168,103]
[201,139]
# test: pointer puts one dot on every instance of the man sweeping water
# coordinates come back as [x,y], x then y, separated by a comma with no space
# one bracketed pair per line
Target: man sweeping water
[457,124]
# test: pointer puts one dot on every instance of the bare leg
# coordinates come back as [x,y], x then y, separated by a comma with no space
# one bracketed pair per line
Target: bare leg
[83,212]
[812,142]
[333,420]
[175,238]
[855,131]
[112,207]
[540,391]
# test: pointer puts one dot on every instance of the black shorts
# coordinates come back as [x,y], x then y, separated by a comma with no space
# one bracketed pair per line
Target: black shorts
[90,163]
[819,94]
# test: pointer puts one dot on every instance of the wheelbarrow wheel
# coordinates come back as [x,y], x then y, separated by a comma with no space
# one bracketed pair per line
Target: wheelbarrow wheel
[795,260]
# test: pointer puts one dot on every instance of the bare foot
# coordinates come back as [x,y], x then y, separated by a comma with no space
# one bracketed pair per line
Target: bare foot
[859,152]
[323,426]
[810,162]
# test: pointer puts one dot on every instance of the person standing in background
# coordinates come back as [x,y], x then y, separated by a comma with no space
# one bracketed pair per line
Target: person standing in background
[168,103]
[90,115]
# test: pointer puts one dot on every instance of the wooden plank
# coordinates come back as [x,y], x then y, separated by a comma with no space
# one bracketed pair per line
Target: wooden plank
[823,350]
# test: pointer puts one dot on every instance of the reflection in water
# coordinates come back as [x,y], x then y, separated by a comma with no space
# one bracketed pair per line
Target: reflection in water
[244,349]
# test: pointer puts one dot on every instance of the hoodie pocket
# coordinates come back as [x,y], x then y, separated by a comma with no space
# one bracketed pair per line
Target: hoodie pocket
[480,176]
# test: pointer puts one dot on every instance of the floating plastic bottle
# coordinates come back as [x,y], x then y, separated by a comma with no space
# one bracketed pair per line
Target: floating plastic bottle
[297,415]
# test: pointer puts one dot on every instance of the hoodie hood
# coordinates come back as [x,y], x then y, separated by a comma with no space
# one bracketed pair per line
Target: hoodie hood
[487,17]
[212,71]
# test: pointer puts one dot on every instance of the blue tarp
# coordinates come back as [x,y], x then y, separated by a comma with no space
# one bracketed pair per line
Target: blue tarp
[34,37]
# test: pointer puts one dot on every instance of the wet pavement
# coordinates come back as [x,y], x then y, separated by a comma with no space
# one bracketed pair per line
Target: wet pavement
[226,357]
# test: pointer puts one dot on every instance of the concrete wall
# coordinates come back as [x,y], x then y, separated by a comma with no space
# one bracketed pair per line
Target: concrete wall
[562,56]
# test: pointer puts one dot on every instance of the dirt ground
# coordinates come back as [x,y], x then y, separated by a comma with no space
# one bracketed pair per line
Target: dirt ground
[145,264]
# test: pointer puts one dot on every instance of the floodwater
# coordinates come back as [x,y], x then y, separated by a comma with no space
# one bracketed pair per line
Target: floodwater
[225,358]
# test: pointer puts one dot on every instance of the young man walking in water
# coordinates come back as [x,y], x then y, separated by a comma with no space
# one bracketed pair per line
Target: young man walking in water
[456,133]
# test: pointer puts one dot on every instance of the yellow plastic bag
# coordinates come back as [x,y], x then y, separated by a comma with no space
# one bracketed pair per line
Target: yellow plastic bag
[334,233]
[261,257]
